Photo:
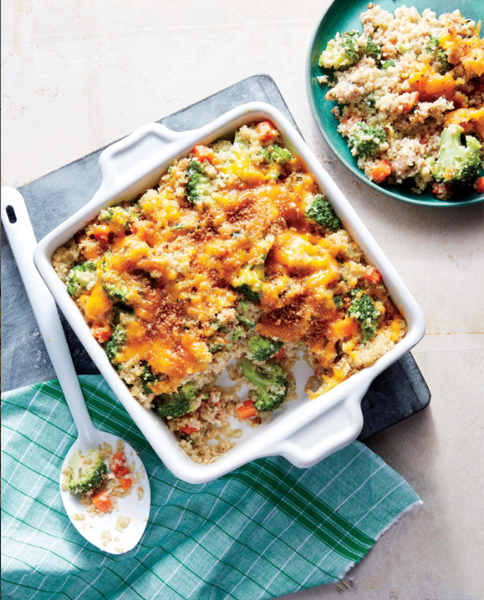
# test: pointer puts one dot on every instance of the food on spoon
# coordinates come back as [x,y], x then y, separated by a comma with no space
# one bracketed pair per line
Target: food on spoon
[85,471]
[236,260]
[402,86]
[100,477]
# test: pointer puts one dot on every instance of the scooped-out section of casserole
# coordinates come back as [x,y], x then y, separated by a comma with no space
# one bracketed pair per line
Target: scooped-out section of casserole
[236,261]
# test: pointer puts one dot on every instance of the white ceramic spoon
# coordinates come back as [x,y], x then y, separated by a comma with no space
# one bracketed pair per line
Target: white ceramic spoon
[21,236]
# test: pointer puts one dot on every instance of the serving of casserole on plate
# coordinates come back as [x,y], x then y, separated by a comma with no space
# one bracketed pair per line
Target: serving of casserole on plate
[407,89]
[397,92]
[206,268]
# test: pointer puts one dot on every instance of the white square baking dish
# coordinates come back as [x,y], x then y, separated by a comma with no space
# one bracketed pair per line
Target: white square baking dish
[304,431]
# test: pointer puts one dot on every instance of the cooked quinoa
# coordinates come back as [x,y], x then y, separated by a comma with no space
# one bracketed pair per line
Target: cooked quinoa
[399,84]
[235,261]
[122,522]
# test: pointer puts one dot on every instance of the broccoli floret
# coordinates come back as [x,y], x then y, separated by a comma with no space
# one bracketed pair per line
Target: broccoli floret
[249,282]
[81,277]
[342,52]
[371,100]
[387,64]
[277,154]
[187,438]
[322,213]
[457,164]
[117,214]
[198,183]
[85,472]
[116,343]
[277,157]
[115,293]
[237,333]
[373,50]
[177,403]
[218,326]
[445,65]
[367,140]
[106,215]
[440,54]
[245,321]
[215,348]
[147,377]
[338,301]
[262,348]
[364,309]
[113,285]
[243,307]
[270,381]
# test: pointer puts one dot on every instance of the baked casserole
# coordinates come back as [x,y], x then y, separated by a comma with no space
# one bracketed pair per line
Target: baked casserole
[236,261]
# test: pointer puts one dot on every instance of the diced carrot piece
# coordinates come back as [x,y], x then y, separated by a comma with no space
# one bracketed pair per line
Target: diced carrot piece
[126,483]
[102,501]
[372,275]
[102,334]
[116,464]
[203,153]
[381,171]
[442,191]
[247,410]
[480,185]
[188,430]
[281,353]
[121,472]
[266,131]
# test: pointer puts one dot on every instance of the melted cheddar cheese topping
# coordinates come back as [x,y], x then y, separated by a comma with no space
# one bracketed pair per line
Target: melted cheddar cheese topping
[227,224]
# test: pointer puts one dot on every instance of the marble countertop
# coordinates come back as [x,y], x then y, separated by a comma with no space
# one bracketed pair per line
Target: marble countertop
[77,75]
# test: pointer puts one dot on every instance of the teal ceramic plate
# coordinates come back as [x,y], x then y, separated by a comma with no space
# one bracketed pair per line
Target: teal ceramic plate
[344,15]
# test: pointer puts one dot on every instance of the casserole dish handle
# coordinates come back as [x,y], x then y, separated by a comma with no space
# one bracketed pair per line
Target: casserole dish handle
[330,432]
[120,160]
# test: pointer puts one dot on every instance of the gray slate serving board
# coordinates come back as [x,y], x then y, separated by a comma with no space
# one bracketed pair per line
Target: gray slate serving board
[395,395]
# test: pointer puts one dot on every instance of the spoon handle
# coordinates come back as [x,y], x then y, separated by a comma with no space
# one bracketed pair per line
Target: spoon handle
[18,227]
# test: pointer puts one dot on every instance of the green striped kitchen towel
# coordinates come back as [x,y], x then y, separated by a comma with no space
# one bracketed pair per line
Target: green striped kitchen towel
[263,531]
